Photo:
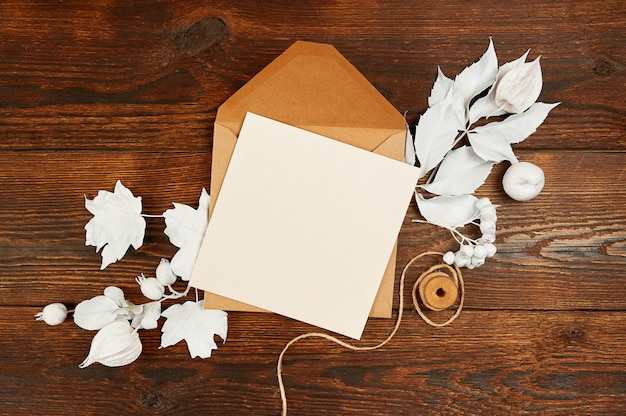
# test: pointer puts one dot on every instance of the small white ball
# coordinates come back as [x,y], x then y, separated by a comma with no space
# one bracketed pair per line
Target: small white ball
[523,181]
[449,258]
[491,249]
[467,251]
[480,251]
[53,314]
[164,273]
[152,288]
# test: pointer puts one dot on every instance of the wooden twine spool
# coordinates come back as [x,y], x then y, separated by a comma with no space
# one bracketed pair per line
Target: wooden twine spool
[438,291]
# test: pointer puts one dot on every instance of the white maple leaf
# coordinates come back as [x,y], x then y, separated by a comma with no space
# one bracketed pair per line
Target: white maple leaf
[479,76]
[518,127]
[196,325]
[116,224]
[185,228]
[461,172]
[492,147]
[448,211]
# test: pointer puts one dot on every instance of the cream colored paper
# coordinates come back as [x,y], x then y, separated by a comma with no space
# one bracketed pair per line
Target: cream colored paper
[304,225]
[313,87]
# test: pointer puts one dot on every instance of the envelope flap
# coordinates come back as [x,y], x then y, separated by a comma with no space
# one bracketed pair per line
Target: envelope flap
[312,86]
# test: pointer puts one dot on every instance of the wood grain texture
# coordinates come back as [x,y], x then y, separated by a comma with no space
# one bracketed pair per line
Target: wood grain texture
[93,92]
[512,362]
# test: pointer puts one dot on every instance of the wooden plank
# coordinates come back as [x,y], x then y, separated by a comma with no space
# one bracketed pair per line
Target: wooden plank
[488,362]
[564,250]
[122,77]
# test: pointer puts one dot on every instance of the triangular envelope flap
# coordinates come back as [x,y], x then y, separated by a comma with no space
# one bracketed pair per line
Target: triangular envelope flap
[312,86]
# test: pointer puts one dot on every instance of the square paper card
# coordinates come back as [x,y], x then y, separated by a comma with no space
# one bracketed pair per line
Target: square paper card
[304,225]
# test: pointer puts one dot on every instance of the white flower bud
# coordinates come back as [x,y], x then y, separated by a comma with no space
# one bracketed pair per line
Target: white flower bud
[164,273]
[53,314]
[148,317]
[150,287]
[519,88]
[115,345]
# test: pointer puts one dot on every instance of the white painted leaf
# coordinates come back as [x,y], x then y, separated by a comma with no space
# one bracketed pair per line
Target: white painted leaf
[409,148]
[435,133]
[440,88]
[461,172]
[486,106]
[115,345]
[95,313]
[194,324]
[518,127]
[448,211]
[492,147]
[480,75]
[116,224]
[185,228]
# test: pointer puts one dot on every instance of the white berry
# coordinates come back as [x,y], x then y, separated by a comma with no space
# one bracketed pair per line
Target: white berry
[491,249]
[488,212]
[52,314]
[480,251]
[164,273]
[482,202]
[449,258]
[467,251]
[461,260]
[487,226]
[523,181]
[476,261]
[151,287]
[488,238]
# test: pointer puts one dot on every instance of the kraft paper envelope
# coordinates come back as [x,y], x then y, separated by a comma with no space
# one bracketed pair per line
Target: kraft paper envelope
[313,87]
[304,225]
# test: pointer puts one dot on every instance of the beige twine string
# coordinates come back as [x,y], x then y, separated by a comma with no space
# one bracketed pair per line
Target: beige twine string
[455,273]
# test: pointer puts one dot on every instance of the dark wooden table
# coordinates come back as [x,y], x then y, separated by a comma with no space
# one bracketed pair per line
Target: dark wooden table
[93,93]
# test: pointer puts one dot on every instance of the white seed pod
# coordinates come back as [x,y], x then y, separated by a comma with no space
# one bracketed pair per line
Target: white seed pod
[164,273]
[449,258]
[115,345]
[519,88]
[52,314]
[150,287]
